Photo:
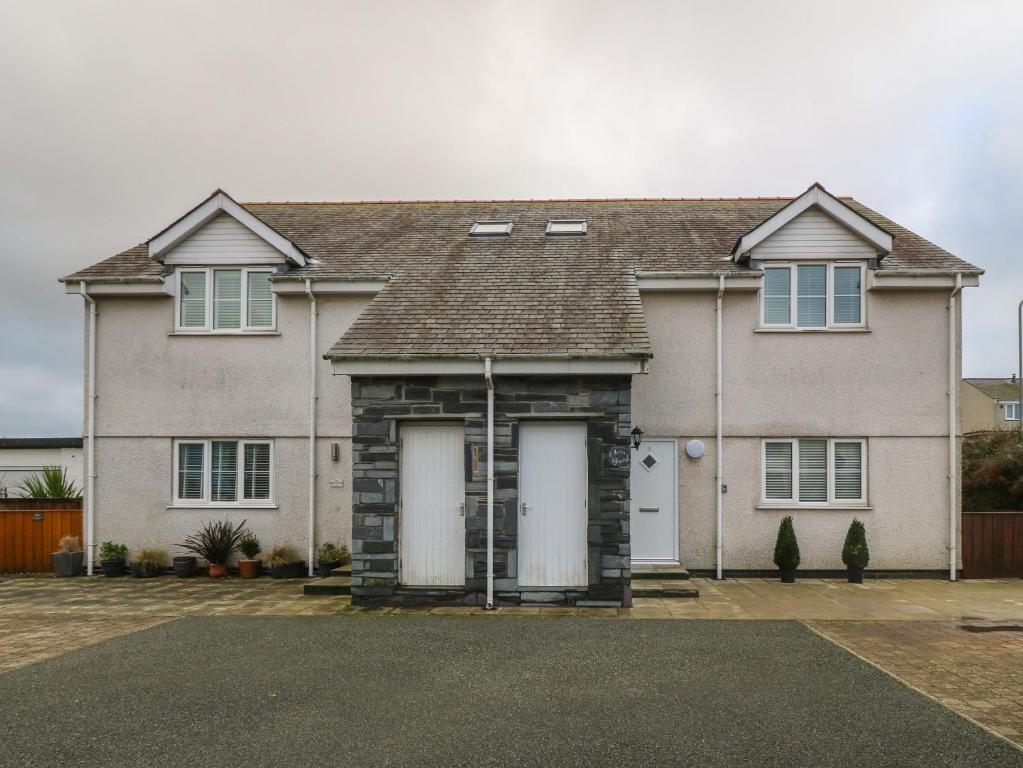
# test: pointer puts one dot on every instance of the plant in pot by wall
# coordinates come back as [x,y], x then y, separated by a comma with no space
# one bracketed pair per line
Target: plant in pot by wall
[148,563]
[67,561]
[331,556]
[215,542]
[249,546]
[786,551]
[113,558]
[184,566]
[855,554]
[284,563]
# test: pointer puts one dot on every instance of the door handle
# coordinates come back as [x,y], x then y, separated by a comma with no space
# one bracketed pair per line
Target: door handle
[460,508]
[649,509]
[525,506]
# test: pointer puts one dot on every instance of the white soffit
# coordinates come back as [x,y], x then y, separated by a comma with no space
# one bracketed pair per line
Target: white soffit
[505,366]
[217,203]
[816,197]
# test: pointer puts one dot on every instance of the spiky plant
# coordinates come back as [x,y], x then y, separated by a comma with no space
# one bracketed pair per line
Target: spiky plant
[51,483]
[216,541]
[151,557]
[250,545]
[281,555]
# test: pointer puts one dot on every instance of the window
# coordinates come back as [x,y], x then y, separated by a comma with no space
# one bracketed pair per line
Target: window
[223,473]
[491,229]
[814,472]
[1011,411]
[812,296]
[568,227]
[225,300]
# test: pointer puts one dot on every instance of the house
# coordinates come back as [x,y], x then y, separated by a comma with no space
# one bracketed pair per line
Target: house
[990,404]
[21,457]
[506,401]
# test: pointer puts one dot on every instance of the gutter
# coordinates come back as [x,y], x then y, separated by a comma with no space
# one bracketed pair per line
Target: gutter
[718,436]
[488,375]
[953,382]
[90,496]
[312,425]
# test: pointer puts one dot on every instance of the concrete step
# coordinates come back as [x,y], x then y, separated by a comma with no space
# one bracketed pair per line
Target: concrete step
[669,588]
[344,570]
[332,585]
[660,572]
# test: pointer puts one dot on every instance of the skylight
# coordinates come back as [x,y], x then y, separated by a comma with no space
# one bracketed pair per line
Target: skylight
[491,229]
[575,227]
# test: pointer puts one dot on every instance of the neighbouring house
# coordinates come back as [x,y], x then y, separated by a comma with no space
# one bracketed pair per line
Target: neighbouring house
[990,404]
[520,400]
[24,456]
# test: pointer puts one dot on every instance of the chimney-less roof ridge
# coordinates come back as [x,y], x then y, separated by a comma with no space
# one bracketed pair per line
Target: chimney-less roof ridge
[523,201]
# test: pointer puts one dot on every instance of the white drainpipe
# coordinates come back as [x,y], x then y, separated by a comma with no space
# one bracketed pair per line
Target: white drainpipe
[952,423]
[90,498]
[490,482]
[312,424]
[719,398]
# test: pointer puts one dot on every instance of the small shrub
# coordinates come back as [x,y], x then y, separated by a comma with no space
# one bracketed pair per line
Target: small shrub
[110,551]
[281,555]
[993,471]
[52,483]
[786,548]
[70,544]
[151,556]
[855,553]
[216,541]
[249,545]
[333,553]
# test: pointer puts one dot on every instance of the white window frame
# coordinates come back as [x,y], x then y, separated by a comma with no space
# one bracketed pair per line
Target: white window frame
[553,228]
[794,501]
[1011,405]
[491,229]
[207,474]
[207,328]
[829,309]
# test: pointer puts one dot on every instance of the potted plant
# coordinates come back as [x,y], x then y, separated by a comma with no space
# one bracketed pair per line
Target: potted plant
[215,542]
[184,566]
[249,566]
[113,558]
[855,554]
[786,551]
[331,556]
[148,563]
[284,563]
[67,561]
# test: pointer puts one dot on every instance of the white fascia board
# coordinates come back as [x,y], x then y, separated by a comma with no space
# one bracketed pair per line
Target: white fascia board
[816,196]
[666,281]
[329,286]
[218,203]
[880,280]
[161,288]
[507,366]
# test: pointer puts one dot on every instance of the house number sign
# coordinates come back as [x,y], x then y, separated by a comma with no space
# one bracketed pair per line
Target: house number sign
[618,456]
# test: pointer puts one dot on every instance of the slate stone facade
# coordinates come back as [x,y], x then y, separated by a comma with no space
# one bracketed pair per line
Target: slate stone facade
[381,405]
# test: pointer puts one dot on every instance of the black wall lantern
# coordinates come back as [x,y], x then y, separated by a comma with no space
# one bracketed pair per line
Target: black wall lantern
[637,437]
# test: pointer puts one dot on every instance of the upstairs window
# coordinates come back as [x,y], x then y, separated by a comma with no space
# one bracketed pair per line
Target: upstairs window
[814,472]
[566,227]
[812,296]
[223,473]
[224,300]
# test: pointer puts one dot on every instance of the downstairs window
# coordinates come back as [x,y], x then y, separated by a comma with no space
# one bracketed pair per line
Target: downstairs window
[223,473]
[814,472]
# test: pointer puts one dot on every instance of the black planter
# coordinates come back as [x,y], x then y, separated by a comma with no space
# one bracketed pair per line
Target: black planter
[112,568]
[68,563]
[325,568]
[145,570]
[855,575]
[289,571]
[788,575]
[184,566]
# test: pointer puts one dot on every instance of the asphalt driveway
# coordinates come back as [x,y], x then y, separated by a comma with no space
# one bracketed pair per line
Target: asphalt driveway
[310,691]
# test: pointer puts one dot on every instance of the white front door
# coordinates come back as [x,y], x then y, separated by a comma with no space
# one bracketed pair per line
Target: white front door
[552,504]
[431,520]
[653,515]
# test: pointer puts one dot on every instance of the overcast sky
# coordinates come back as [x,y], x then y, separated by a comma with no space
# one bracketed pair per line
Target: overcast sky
[118,117]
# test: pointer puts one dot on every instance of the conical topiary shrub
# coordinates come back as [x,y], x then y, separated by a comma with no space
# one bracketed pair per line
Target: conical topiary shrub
[855,554]
[786,551]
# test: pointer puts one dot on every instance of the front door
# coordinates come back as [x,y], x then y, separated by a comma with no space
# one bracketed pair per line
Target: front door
[552,504]
[432,515]
[653,516]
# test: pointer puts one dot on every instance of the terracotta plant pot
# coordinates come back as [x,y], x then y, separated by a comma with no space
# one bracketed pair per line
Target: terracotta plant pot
[249,569]
[218,570]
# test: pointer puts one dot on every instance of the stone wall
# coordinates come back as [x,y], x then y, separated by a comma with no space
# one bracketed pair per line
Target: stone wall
[380,405]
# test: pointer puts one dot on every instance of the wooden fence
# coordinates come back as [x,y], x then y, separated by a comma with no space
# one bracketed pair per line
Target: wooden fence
[992,545]
[30,529]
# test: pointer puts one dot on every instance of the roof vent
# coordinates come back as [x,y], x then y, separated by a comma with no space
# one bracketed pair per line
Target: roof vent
[491,229]
[566,227]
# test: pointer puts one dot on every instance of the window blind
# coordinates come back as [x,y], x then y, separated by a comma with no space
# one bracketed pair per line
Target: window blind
[190,470]
[848,471]
[224,471]
[227,298]
[260,301]
[778,459]
[193,300]
[777,296]
[813,470]
[812,296]
[847,294]
[257,471]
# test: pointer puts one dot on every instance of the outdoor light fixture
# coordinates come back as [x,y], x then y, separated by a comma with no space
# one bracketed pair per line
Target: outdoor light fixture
[335,452]
[637,437]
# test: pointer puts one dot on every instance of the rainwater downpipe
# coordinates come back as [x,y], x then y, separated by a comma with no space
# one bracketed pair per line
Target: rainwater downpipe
[719,404]
[90,497]
[952,423]
[487,373]
[312,424]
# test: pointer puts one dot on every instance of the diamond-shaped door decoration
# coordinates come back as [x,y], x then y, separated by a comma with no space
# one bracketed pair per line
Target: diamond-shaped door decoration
[649,461]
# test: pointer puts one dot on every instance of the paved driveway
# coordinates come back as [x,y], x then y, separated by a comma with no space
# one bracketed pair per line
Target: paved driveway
[325,691]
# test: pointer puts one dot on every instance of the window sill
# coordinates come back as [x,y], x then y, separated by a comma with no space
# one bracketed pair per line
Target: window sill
[221,506]
[811,330]
[822,507]
[224,333]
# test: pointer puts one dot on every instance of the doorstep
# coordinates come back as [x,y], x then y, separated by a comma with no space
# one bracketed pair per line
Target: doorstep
[659,572]
[647,587]
[332,585]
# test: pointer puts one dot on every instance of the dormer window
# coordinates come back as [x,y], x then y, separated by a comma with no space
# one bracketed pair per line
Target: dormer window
[213,300]
[491,229]
[566,227]
[819,296]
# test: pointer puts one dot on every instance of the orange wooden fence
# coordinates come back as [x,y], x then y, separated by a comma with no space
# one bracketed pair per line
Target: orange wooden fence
[30,529]
[992,544]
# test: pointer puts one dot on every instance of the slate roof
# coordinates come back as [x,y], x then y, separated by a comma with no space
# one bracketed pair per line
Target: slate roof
[527,294]
[997,389]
